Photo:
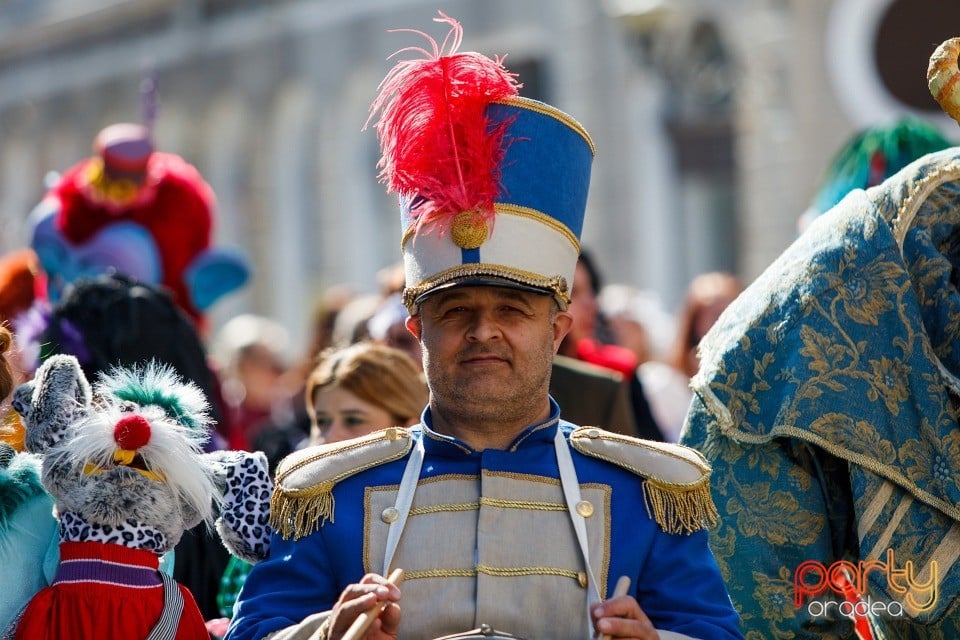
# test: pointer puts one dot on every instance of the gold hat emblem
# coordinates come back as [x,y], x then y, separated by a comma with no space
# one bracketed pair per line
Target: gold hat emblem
[469,230]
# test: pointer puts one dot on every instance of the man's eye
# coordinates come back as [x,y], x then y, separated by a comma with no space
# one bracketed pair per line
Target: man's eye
[453,311]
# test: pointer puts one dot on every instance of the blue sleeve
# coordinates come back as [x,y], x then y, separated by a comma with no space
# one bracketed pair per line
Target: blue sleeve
[293,582]
[680,589]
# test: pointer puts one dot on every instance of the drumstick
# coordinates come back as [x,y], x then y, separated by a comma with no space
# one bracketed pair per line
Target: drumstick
[623,585]
[365,619]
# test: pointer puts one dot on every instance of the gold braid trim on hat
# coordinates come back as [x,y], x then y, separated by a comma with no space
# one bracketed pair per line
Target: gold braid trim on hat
[556,285]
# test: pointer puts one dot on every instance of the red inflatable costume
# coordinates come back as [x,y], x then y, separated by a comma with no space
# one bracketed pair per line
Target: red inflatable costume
[139,211]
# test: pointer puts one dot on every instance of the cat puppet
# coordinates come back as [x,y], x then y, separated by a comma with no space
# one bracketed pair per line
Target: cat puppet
[124,464]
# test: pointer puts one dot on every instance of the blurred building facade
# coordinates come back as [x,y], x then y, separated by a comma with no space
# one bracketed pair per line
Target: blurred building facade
[712,118]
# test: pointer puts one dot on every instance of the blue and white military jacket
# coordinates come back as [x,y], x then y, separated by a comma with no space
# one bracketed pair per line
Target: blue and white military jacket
[489,539]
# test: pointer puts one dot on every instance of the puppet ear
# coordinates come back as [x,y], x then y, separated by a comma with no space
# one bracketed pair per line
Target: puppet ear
[57,397]
[213,274]
[245,511]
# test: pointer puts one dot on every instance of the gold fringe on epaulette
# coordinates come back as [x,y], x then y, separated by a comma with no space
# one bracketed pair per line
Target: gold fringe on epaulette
[299,513]
[680,508]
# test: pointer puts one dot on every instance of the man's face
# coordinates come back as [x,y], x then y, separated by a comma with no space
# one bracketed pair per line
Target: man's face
[487,351]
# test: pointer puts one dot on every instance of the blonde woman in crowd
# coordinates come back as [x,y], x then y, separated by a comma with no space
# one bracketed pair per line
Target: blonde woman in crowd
[352,391]
[362,388]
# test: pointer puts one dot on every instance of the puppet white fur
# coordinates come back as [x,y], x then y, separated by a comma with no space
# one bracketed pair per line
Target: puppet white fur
[160,486]
[80,436]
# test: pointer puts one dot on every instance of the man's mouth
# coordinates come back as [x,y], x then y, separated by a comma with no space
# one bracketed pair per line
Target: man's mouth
[484,358]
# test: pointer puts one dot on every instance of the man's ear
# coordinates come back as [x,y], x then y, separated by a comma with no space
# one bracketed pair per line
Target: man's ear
[561,327]
[415,326]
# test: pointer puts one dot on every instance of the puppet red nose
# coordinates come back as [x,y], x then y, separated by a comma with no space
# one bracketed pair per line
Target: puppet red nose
[132,432]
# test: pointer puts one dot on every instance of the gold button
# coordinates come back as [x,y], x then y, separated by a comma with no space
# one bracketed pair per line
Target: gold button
[390,515]
[584,508]
[392,434]
[582,579]
[593,433]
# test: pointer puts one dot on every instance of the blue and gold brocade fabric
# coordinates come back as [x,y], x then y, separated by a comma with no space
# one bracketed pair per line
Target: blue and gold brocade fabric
[827,404]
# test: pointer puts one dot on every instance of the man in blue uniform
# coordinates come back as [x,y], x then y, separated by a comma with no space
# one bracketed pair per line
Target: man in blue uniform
[499,512]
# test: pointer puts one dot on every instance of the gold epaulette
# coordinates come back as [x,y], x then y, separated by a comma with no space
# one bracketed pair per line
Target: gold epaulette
[676,479]
[303,498]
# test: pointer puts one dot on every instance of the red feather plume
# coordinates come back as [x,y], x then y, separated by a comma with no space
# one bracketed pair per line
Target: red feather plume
[439,149]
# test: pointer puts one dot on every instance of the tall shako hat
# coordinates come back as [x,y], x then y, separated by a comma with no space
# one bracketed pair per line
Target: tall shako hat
[492,186]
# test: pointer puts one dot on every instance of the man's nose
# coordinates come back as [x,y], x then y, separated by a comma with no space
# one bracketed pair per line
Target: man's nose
[484,327]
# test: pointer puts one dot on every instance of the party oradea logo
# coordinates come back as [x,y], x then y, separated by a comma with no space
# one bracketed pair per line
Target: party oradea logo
[841,588]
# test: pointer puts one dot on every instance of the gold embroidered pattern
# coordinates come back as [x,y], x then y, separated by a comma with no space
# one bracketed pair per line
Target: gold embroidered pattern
[919,191]
[824,407]
[864,461]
